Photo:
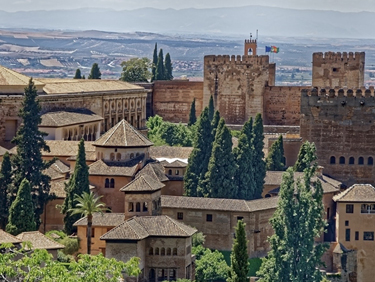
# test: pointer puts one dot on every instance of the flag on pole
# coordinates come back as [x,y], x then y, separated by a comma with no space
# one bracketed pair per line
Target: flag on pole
[274,49]
[268,49]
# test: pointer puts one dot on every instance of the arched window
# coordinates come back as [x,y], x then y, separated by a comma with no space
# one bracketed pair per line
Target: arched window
[351,161]
[138,207]
[175,251]
[360,161]
[112,184]
[131,207]
[157,251]
[118,156]
[370,161]
[342,160]
[145,208]
[170,172]
[169,252]
[132,156]
[162,252]
[332,160]
[112,156]
[106,183]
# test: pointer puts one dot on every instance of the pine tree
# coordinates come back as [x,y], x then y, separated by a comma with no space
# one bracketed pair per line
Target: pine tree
[219,179]
[5,182]
[78,74]
[211,108]
[160,71]
[21,212]
[192,114]
[239,258]
[275,158]
[95,72]
[297,222]
[306,153]
[168,67]
[244,154]
[28,162]
[258,158]
[78,184]
[154,62]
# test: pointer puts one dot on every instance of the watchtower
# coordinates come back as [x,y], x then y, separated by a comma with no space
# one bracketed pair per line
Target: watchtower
[250,46]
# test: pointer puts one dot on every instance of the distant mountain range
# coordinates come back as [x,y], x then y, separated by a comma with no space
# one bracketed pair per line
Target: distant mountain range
[236,22]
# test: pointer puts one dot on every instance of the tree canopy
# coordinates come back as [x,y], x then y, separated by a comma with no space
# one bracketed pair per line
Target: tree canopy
[306,155]
[168,67]
[210,266]
[136,70]
[276,160]
[95,72]
[160,69]
[192,114]
[77,74]
[154,62]
[5,182]
[258,157]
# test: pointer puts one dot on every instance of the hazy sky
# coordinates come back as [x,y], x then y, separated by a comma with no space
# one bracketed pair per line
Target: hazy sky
[338,5]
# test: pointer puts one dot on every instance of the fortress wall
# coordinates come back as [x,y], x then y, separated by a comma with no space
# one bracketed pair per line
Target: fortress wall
[172,99]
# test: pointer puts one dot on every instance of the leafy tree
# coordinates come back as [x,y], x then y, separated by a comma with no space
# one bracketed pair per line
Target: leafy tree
[211,108]
[198,239]
[88,204]
[192,114]
[136,70]
[83,77]
[258,158]
[21,212]
[168,67]
[28,163]
[297,222]
[77,185]
[239,257]
[275,158]
[95,72]
[154,62]
[160,70]
[307,153]
[78,74]
[211,266]
[5,182]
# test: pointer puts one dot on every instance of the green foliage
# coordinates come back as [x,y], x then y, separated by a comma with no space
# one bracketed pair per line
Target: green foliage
[160,71]
[211,266]
[5,182]
[198,239]
[211,108]
[235,133]
[179,280]
[154,62]
[307,153]
[77,185]
[276,160]
[168,67]
[136,70]
[255,264]
[297,222]
[258,157]
[71,245]
[77,74]
[192,114]
[95,72]
[21,212]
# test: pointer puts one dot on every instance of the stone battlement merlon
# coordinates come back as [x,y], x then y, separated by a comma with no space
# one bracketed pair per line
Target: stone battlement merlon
[239,60]
[329,57]
[250,41]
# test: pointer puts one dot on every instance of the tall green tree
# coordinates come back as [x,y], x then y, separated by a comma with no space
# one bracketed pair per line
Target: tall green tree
[307,153]
[77,74]
[275,159]
[136,70]
[211,108]
[258,157]
[160,70]
[219,179]
[87,205]
[211,266]
[297,223]
[168,67]
[95,72]
[77,185]
[154,62]
[243,155]
[21,212]
[5,182]
[27,162]
[192,114]
[214,124]
[239,257]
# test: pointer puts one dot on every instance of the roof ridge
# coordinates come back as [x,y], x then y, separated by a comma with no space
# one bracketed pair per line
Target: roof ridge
[176,224]
[124,127]
[134,219]
[111,133]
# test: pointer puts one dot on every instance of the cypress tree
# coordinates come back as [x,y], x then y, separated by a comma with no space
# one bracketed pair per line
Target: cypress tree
[239,258]
[21,212]
[28,162]
[211,108]
[154,62]
[5,182]
[168,67]
[307,152]
[244,155]
[275,158]
[160,71]
[219,181]
[192,114]
[95,72]
[78,74]
[77,184]
[214,124]
[258,158]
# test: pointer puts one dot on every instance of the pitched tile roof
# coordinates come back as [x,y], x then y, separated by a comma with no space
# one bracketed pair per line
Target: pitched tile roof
[176,163]
[58,188]
[129,168]
[11,77]
[8,238]
[143,183]
[57,170]
[68,117]
[168,152]
[103,219]
[138,228]
[123,135]
[357,193]
[263,204]
[154,169]
[39,241]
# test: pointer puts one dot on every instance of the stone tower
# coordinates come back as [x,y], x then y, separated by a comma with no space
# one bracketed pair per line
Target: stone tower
[250,47]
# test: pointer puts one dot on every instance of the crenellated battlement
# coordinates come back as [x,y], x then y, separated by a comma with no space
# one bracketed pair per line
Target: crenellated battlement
[331,57]
[236,60]
[248,41]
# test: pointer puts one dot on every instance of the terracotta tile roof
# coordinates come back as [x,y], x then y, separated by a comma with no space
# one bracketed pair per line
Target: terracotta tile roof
[154,169]
[123,135]
[104,219]
[57,170]
[58,188]
[39,241]
[176,163]
[169,152]
[10,77]
[68,117]
[357,193]
[8,238]
[90,156]
[263,204]
[114,168]
[138,228]
[143,183]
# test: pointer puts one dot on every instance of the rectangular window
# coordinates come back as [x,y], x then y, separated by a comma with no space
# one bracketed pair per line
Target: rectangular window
[368,236]
[180,215]
[347,234]
[356,235]
[209,217]
[346,222]
[349,208]
[367,208]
